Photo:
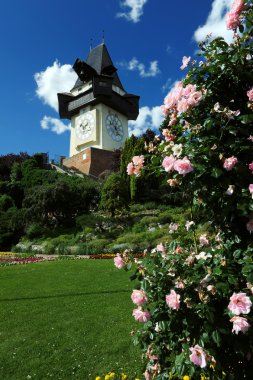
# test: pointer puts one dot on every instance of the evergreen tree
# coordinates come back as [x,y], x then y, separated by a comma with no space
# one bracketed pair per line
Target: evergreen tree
[114,194]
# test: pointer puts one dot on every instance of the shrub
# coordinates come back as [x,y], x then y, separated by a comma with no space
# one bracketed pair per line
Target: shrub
[89,220]
[34,230]
[195,294]
[50,248]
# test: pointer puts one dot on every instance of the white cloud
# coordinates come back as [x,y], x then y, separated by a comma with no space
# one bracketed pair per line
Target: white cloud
[148,118]
[135,12]
[55,125]
[216,23]
[54,79]
[135,65]
[167,85]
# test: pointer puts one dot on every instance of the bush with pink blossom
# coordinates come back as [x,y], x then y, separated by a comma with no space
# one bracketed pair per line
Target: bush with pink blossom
[195,297]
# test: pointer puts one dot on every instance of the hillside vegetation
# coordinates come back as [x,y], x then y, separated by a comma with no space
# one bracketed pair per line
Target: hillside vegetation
[43,211]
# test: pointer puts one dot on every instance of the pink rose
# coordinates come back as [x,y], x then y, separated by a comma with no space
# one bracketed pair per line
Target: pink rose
[251,189]
[168,136]
[173,119]
[185,62]
[148,375]
[238,6]
[229,163]
[179,249]
[240,324]
[164,110]
[183,166]
[119,262]
[139,297]
[135,166]
[138,161]
[174,95]
[203,240]
[251,166]
[239,303]
[161,248]
[195,98]
[130,168]
[141,315]
[233,20]
[173,227]
[249,225]
[198,356]
[250,94]
[182,105]
[177,91]
[173,300]
[188,90]
[179,285]
[168,163]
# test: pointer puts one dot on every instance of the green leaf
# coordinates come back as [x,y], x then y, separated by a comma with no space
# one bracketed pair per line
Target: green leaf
[247,269]
[237,254]
[216,337]
[250,278]
[246,119]
[155,160]
[216,172]
[217,271]
[135,340]
[179,359]
[129,266]
[204,338]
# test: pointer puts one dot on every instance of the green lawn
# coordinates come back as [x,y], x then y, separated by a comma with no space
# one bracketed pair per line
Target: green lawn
[66,320]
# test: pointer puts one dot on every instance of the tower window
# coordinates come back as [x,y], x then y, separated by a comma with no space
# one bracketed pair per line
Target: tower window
[103,84]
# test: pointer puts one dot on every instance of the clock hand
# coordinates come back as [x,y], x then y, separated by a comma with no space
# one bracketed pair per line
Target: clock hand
[116,130]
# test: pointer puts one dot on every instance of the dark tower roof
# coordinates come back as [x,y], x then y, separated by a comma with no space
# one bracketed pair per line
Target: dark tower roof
[99,71]
[100,61]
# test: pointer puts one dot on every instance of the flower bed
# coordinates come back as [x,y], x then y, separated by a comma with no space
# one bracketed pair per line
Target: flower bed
[19,260]
[103,256]
[10,258]
[122,376]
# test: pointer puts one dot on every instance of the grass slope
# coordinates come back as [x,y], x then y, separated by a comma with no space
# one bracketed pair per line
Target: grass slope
[65,320]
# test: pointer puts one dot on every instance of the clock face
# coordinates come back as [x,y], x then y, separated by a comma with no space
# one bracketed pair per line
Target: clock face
[85,126]
[114,127]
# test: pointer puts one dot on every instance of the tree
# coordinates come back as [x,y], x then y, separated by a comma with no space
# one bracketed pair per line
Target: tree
[58,203]
[7,161]
[6,202]
[114,195]
[16,173]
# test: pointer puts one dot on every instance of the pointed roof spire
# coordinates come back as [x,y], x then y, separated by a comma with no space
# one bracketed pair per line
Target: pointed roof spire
[99,60]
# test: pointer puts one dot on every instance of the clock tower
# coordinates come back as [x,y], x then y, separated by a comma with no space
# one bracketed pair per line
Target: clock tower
[99,109]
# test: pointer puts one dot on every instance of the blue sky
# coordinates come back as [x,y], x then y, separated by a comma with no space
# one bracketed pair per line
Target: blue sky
[40,41]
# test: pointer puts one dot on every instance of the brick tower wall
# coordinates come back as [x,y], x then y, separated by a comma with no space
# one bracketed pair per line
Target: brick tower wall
[91,161]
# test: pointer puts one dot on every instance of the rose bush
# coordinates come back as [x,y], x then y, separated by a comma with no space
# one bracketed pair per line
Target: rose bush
[197,318]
